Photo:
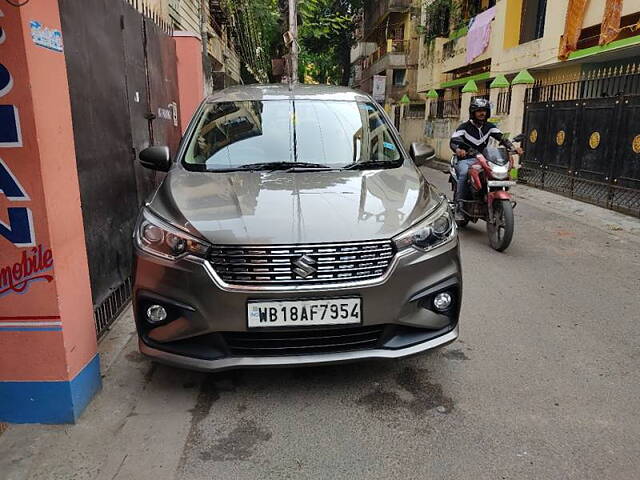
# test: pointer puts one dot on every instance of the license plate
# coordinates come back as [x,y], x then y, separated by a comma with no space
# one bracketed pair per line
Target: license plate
[501,183]
[304,312]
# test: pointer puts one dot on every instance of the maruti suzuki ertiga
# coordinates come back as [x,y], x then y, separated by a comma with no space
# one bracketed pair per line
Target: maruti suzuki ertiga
[293,228]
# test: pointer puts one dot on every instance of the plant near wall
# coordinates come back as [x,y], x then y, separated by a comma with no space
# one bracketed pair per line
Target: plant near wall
[448,18]
[254,24]
[437,20]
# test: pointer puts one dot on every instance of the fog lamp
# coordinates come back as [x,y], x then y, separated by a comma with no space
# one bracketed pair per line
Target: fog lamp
[156,314]
[442,301]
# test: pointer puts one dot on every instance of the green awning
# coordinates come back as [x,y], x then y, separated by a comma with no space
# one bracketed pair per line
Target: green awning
[470,87]
[463,81]
[500,82]
[524,77]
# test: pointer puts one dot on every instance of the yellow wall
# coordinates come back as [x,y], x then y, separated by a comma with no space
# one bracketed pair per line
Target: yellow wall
[513,20]
[568,72]
[408,30]
[595,11]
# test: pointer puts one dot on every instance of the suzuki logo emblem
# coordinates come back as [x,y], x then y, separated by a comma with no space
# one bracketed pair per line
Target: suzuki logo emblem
[304,266]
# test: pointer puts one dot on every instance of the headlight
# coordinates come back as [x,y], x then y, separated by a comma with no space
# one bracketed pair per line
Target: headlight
[499,172]
[161,239]
[435,230]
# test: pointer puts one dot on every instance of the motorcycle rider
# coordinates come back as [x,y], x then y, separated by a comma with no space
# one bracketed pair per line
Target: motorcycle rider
[473,135]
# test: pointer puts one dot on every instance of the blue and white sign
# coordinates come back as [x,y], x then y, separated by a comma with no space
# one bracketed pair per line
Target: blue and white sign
[46,37]
[20,229]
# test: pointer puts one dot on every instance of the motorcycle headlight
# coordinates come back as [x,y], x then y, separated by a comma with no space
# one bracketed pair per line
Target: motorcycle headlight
[161,239]
[435,230]
[499,172]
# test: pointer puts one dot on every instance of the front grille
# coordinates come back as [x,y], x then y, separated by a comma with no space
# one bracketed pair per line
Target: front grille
[302,264]
[302,341]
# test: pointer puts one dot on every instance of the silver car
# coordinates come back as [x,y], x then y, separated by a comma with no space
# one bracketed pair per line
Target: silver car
[293,228]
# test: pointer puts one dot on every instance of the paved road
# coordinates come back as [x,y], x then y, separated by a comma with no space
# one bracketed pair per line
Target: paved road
[543,384]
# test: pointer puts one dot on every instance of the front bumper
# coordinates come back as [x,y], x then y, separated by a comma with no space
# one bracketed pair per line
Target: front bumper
[230,363]
[204,313]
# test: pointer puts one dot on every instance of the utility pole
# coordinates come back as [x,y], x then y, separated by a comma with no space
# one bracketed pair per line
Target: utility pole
[293,30]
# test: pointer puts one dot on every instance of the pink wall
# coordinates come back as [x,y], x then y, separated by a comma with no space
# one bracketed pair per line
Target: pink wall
[46,317]
[190,75]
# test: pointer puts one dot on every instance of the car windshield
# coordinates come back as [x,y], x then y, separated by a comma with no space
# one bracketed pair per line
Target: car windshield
[291,133]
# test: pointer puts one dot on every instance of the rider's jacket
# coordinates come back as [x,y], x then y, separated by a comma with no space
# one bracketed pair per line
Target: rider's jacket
[471,136]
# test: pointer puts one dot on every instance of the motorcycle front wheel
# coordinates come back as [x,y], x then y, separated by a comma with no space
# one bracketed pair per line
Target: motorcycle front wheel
[501,230]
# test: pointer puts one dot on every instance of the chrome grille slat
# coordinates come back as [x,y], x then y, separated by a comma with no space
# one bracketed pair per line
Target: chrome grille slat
[279,265]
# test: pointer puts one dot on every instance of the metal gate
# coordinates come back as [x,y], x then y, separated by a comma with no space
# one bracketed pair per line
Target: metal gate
[122,80]
[583,139]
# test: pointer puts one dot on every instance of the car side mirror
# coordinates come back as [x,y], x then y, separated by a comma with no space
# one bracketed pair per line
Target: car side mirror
[156,158]
[421,153]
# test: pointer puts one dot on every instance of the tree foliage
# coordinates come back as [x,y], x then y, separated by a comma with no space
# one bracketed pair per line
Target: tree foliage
[325,38]
[325,35]
[255,25]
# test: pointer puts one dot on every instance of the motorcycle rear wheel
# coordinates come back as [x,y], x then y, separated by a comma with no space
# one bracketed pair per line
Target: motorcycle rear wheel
[500,232]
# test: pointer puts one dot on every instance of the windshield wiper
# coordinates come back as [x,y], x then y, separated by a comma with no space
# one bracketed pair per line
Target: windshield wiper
[274,166]
[373,164]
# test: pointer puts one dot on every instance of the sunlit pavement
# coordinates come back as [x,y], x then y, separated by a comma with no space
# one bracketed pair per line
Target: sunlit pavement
[543,383]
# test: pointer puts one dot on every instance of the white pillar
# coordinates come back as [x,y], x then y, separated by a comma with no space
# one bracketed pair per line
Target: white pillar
[493,98]
[464,107]
[517,109]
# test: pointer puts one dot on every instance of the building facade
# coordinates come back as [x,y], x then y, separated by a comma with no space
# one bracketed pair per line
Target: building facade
[522,35]
[561,72]
[208,20]
[387,47]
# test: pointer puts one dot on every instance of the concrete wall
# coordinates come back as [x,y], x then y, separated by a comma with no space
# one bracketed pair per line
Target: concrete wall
[430,65]
[460,54]
[411,130]
[537,53]
[190,75]
[438,133]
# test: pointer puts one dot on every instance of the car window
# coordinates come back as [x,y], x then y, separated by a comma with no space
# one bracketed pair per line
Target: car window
[330,133]
[231,134]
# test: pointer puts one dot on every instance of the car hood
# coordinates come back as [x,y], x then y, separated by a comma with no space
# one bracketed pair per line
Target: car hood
[279,208]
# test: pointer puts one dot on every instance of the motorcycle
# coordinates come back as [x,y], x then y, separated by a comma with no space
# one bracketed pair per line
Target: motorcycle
[491,201]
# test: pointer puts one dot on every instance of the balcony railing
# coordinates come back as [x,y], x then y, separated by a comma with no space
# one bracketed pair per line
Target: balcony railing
[445,108]
[414,111]
[378,9]
[503,106]
[392,46]
[451,108]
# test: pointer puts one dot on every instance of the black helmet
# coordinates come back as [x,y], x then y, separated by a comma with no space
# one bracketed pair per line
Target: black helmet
[480,104]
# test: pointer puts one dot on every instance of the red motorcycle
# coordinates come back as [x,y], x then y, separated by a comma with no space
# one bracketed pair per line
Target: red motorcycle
[491,201]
